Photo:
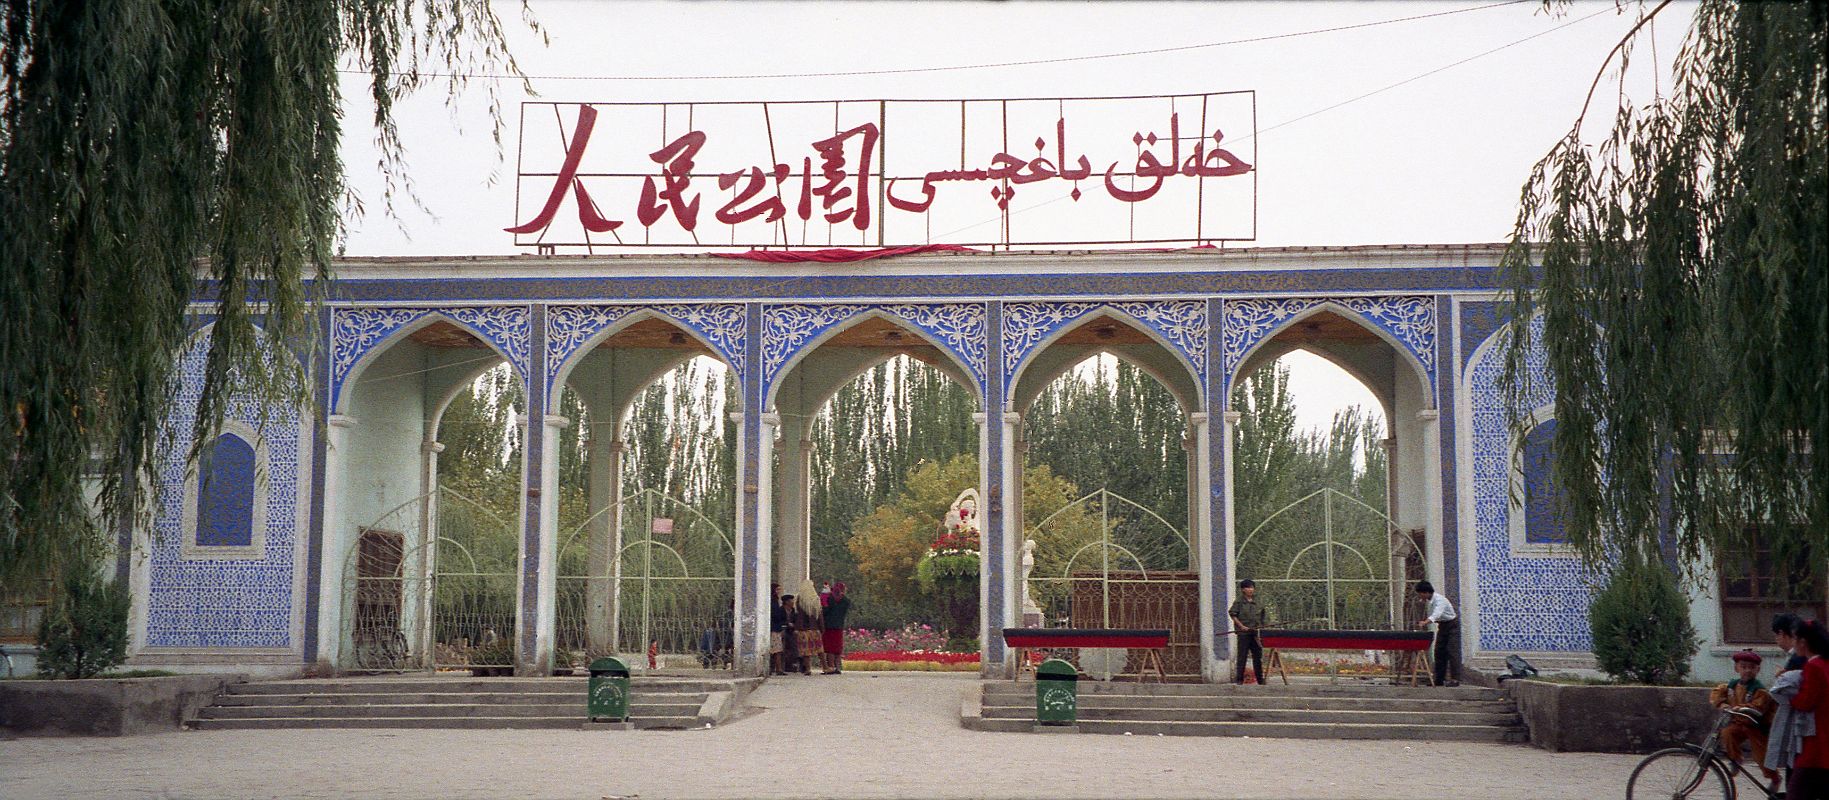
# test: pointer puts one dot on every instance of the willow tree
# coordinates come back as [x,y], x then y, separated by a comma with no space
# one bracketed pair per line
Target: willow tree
[1682,276]
[150,143]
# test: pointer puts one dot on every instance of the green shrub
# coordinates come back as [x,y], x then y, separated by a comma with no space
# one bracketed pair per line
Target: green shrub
[84,632]
[1640,620]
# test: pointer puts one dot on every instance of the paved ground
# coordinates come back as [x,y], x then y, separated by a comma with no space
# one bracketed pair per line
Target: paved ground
[857,735]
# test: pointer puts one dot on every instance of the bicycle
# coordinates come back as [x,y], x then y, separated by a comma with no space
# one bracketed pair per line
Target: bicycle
[1696,771]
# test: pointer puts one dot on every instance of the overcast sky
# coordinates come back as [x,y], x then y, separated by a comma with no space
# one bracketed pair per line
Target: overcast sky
[1371,135]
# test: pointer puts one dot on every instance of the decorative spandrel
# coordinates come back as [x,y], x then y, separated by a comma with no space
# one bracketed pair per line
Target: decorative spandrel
[1180,323]
[1409,319]
[355,332]
[957,327]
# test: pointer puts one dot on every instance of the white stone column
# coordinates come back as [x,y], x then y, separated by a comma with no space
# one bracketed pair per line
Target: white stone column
[752,566]
[1398,540]
[336,540]
[998,577]
[419,630]
[768,424]
[1200,538]
[603,589]
[794,504]
[1230,579]
[1436,568]
[546,563]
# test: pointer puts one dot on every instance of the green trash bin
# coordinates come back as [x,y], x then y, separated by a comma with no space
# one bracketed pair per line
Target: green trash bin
[609,690]
[1057,693]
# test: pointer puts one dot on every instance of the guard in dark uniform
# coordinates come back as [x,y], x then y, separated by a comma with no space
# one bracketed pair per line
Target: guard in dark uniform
[1247,617]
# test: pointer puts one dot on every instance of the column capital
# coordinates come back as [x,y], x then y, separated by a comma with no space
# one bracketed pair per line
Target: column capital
[1200,417]
[736,416]
[1233,417]
[1429,415]
[430,447]
[557,421]
[979,417]
[771,418]
[340,421]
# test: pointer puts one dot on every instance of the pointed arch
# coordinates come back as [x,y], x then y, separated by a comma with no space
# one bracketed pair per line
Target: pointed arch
[1249,325]
[574,331]
[360,335]
[1179,327]
[792,332]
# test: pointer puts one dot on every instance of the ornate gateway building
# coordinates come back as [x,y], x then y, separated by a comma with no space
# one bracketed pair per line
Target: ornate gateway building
[325,551]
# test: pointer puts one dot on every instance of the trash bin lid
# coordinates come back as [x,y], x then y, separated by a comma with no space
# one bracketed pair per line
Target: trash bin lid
[1055,669]
[611,665]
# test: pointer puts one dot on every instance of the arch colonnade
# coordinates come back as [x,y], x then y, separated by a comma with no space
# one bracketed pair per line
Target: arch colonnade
[402,337]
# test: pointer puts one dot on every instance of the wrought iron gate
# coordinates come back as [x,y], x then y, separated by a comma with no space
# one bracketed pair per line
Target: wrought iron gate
[1324,561]
[661,582]
[1104,561]
[431,584]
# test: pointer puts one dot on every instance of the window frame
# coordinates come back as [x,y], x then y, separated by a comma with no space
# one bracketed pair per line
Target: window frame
[256,548]
[1813,600]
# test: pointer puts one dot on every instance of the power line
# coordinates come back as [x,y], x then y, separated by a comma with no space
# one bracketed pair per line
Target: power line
[958,67]
[1319,111]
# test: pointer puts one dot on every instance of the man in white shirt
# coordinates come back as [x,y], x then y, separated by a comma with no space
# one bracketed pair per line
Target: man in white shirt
[1447,634]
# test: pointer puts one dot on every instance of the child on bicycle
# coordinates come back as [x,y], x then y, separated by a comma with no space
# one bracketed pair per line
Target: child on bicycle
[1746,695]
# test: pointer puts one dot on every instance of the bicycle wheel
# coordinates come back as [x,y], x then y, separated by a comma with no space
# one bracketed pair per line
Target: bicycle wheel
[1678,774]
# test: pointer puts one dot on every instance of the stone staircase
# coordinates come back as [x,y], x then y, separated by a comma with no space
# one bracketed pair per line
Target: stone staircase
[1297,711]
[431,702]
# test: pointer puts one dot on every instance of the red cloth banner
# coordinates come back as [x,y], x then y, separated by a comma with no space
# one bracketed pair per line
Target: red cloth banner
[839,255]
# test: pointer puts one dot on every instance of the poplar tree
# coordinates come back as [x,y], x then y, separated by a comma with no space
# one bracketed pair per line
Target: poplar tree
[147,144]
[1681,269]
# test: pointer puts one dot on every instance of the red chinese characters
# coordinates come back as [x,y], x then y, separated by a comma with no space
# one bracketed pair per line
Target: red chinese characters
[834,182]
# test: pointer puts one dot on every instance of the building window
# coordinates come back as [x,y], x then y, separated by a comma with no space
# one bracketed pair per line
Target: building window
[225,494]
[1542,525]
[1752,591]
[1534,515]
[21,611]
[225,497]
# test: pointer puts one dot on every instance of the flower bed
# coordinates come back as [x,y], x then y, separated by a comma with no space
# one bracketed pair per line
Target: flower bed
[914,660]
[913,638]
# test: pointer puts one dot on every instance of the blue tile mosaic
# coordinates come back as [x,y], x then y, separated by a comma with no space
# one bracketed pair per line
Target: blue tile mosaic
[1526,603]
[225,603]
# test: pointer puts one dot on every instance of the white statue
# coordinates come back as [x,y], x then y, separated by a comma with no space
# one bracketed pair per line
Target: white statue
[1028,603]
[962,518]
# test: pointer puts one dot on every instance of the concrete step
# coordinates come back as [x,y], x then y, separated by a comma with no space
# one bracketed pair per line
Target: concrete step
[395,685]
[650,711]
[1406,719]
[1091,688]
[1281,730]
[444,698]
[423,702]
[447,723]
[1240,701]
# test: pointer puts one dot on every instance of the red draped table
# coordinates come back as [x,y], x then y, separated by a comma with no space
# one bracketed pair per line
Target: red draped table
[1277,640]
[1150,640]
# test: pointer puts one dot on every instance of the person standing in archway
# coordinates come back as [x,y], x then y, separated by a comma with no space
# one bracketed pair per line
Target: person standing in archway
[1447,634]
[1247,617]
[809,623]
[838,606]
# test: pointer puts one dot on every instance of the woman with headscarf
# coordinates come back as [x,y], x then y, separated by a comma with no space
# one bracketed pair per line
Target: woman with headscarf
[839,605]
[809,625]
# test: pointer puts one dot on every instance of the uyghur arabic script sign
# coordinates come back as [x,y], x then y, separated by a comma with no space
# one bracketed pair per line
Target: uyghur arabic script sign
[879,173]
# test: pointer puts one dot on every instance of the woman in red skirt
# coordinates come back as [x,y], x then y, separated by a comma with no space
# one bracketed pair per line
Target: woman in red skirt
[837,607]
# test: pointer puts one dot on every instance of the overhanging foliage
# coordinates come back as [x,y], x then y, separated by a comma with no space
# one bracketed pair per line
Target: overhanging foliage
[1682,273]
[147,145]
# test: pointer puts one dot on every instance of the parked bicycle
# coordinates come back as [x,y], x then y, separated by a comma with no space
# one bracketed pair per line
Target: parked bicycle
[1701,772]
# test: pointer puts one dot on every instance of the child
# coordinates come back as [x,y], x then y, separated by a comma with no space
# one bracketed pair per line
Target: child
[1746,694]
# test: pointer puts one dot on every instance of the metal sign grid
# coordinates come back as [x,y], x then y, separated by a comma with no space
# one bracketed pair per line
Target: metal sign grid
[1149,169]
